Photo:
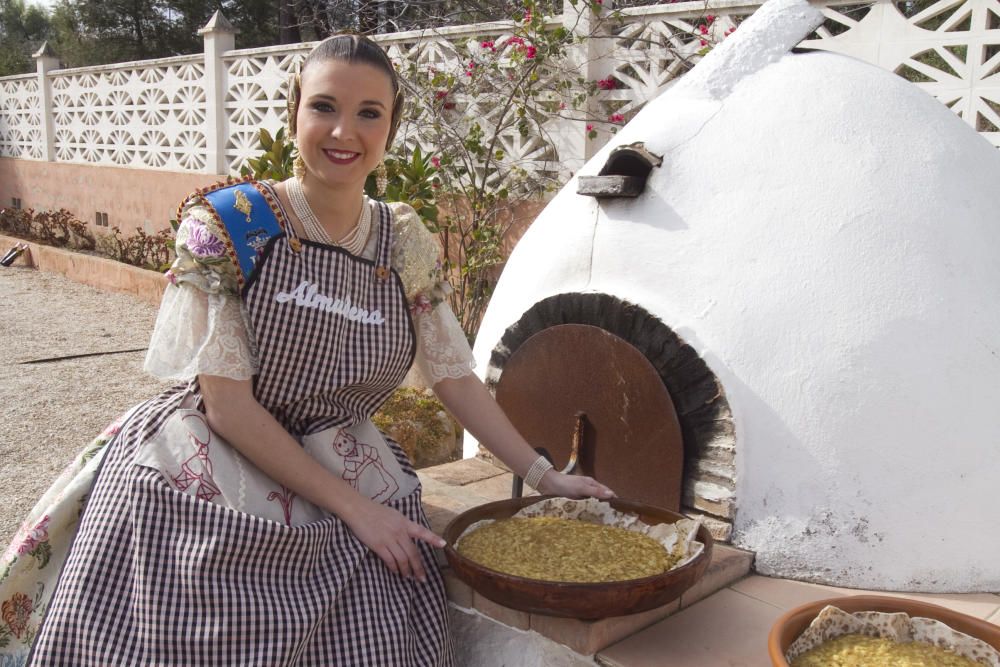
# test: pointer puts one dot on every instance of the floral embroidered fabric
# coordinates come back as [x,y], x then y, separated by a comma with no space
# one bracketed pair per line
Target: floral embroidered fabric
[203,330]
[30,566]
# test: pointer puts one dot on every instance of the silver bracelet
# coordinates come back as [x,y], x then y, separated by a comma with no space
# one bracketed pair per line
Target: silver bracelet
[537,470]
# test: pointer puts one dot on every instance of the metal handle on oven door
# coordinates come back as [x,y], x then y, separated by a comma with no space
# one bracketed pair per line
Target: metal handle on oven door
[517,487]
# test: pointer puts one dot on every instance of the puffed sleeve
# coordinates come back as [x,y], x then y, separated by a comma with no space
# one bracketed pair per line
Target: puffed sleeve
[442,349]
[201,328]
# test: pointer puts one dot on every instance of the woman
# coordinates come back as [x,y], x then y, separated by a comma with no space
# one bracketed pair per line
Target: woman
[211,536]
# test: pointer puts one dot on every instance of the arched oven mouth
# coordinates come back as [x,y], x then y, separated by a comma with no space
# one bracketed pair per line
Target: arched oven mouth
[658,426]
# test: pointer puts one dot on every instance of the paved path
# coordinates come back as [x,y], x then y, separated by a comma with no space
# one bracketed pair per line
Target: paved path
[50,410]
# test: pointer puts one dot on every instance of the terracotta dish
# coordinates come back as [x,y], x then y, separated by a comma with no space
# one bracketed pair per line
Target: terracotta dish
[787,628]
[574,600]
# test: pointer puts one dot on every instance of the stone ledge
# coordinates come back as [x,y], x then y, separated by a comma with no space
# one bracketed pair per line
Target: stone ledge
[99,272]
[452,488]
[460,473]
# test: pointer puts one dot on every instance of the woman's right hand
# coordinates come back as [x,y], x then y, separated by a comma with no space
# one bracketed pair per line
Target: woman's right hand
[390,536]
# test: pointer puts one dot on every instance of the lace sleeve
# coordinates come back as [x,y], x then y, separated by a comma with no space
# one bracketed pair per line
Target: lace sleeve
[200,328]
[442,348]
[200,333]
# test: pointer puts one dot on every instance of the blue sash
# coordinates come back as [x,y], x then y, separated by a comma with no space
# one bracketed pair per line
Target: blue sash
[248,217]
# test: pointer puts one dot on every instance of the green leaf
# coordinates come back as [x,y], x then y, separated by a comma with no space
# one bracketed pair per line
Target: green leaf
[265,139]
[42,553]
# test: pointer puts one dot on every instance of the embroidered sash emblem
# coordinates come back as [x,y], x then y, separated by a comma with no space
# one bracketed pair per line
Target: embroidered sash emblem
[243,204]
[306,295]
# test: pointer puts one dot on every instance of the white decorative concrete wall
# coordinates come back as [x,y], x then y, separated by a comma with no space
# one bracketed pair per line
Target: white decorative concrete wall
[826,236]
[201,113]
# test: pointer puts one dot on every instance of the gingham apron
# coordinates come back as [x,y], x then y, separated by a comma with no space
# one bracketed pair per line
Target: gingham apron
[165,570]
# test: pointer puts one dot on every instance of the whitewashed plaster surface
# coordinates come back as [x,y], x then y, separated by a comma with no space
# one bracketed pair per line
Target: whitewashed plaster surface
[481,641]
[827,237]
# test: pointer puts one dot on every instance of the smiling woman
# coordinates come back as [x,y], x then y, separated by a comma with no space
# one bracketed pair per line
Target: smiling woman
[295,310]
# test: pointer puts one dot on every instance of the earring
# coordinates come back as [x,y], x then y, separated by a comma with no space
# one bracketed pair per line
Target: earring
[381,179]
[298,165]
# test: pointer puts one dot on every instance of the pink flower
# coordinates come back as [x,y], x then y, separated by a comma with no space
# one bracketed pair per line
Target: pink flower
[527,16]
[436,161]
[590,126]
[616,118]
[114,427]
[562,105]
[709,18]
[703,42]
[516,40]
[26,546]
[37,535]
[440,94]
[607,84]
[703,29]
[487,45]
[530,52]
[421,304]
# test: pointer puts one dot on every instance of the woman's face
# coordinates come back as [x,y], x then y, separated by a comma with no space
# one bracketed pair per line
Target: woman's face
[343,121]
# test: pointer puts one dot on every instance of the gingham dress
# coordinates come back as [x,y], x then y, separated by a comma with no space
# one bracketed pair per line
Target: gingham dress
[157,576]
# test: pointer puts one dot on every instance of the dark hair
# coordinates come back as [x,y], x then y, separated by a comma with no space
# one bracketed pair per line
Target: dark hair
[352,49]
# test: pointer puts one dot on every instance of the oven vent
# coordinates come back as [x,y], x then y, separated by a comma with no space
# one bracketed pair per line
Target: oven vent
[623,175]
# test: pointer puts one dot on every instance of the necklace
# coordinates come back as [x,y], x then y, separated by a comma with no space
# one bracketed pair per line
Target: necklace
[355,240]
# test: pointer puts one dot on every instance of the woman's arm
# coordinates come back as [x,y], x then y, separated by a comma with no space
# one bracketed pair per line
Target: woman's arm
[235,414]
[470,401]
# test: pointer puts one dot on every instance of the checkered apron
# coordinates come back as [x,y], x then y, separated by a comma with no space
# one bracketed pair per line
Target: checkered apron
[161,577]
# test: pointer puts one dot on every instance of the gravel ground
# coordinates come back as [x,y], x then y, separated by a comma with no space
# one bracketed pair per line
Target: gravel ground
[51,410]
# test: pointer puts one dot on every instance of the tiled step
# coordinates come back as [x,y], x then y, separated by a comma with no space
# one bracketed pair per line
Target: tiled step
[727,628]
[731,626]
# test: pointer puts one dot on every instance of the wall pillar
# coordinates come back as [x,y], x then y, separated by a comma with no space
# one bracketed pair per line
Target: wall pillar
[46,61]
[220,37]
[590,57]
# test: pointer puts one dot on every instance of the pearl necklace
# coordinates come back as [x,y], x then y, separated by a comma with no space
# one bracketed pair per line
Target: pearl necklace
[354,242]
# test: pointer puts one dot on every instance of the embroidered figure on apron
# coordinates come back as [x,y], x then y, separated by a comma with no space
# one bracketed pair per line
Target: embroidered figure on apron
[196,472]
[363,468]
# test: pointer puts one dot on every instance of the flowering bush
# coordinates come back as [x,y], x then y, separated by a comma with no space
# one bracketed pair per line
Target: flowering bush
[487,119]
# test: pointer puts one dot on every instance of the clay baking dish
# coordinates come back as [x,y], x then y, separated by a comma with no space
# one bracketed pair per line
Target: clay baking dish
[574,600]
[787,628]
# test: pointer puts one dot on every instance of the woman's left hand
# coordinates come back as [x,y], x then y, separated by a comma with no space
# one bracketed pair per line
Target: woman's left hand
[573,486]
